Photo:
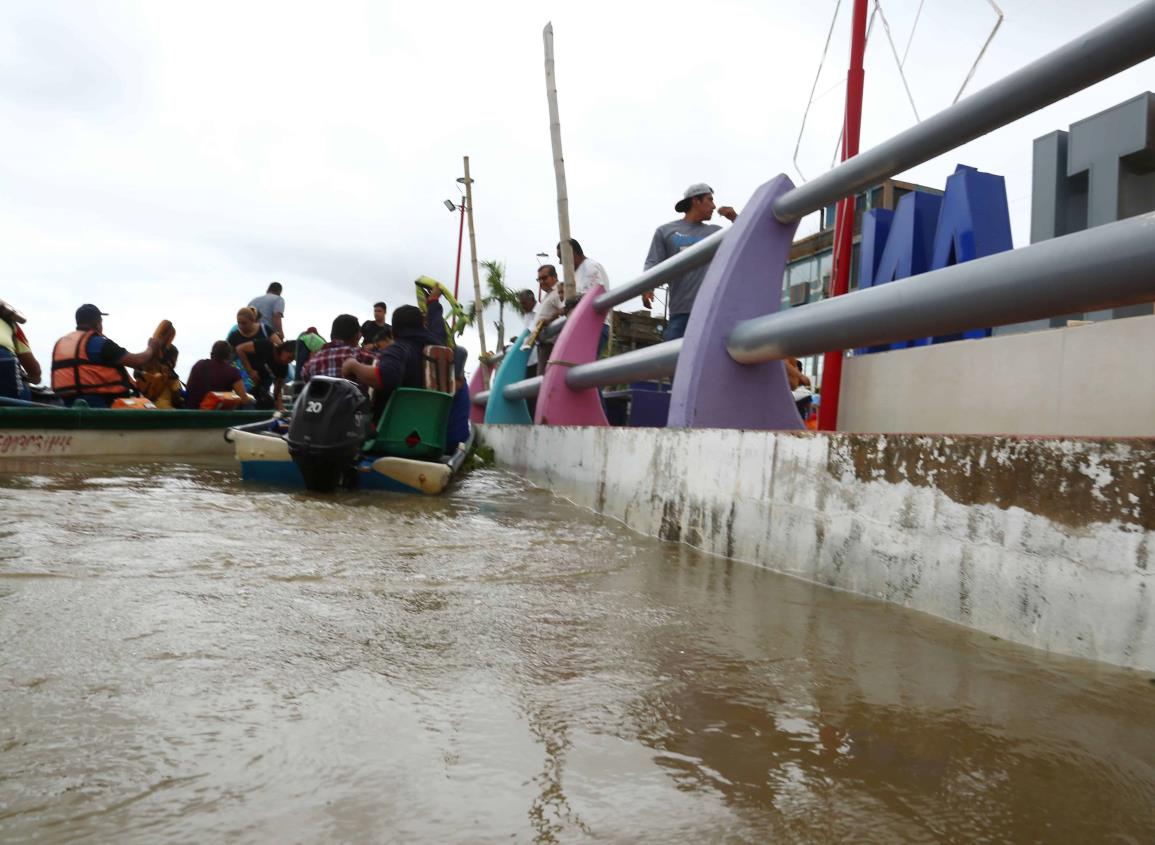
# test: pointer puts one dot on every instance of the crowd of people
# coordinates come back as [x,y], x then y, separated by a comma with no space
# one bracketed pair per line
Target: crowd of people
[697,208]
[247,369]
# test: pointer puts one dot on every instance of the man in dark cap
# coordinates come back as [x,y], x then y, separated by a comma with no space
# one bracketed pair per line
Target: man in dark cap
[400,365]
[87,365]
[696,207]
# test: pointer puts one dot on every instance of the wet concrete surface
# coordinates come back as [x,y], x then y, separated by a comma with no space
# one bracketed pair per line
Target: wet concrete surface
[187,659]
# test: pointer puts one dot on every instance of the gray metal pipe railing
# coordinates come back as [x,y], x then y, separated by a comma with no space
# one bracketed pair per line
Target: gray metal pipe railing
[1027,284]
[670,269]
[1105,267]
[1106,50]
[657,361]
[550,331]
[524,389]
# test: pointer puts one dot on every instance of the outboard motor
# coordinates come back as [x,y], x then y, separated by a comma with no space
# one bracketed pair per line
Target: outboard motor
[326,431]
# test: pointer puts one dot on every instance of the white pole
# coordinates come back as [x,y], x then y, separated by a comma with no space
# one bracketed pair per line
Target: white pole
[558,164]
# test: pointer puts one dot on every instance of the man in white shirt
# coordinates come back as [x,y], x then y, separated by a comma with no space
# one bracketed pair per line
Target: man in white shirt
[588,273]
[527,303]
[551,306]
[549,309]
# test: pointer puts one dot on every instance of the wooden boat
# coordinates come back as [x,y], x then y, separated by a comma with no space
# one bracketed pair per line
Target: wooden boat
[35,430]
[323,447]
[264,458]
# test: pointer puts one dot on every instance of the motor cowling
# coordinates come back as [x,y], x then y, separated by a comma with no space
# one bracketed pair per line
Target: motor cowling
[326,431]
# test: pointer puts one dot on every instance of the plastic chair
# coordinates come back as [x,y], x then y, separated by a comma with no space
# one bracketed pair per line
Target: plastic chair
[413,425]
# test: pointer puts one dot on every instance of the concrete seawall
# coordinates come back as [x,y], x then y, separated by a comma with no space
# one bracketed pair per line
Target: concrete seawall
[1046,542]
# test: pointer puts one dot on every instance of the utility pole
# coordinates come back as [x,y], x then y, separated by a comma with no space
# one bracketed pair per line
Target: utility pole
[473,254]
[558,164]
[844,218]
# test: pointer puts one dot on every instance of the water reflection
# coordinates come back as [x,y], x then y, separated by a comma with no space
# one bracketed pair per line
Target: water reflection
[188,658]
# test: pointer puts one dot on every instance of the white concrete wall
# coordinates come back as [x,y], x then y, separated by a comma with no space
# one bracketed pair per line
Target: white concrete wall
[1091,380]
[1050,543]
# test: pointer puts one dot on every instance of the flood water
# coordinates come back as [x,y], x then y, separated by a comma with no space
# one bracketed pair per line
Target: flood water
[187,659]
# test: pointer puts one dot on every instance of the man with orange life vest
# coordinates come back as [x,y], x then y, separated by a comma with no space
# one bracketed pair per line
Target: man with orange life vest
[87,365]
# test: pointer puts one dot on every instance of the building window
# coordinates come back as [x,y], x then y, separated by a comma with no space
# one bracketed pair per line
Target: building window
[831,212]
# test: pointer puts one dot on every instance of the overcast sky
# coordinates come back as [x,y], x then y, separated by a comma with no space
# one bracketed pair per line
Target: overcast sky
[170,159]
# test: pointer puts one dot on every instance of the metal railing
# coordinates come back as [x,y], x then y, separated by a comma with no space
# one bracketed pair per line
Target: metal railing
[1105,267]
[1038,281]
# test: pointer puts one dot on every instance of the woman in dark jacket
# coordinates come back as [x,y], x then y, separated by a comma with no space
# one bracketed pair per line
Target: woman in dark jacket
[401,364]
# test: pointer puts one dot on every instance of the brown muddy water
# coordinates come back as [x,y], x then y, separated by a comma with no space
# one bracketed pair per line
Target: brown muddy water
[185,659]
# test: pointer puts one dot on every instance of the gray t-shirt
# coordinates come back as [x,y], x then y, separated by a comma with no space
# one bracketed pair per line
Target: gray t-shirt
[267,305]
[670,239]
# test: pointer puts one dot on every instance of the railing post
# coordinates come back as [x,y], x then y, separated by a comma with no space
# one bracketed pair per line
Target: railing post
[557,403]
[711,389]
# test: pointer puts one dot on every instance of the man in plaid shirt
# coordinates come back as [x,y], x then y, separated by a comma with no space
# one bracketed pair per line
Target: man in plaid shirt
[327,360]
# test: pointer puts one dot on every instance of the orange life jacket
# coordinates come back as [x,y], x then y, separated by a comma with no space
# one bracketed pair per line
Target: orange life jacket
[75,374]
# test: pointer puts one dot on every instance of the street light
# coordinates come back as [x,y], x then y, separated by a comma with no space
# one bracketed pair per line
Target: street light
[452,206]
[540,256]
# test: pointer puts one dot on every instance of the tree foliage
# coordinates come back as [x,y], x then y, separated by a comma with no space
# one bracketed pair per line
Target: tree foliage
[498,294]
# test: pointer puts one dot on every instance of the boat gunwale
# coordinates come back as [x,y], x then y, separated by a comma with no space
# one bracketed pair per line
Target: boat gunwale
[104,419]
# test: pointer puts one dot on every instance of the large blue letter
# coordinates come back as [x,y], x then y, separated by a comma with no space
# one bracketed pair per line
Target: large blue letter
[974,222]
[909,235]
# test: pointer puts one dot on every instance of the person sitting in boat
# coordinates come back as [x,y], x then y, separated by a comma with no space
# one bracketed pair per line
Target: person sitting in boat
[308,342]
[216,375]
[18,366]
[375,344]
[255,346]
[87,365]
[457,428]
[266,360]
[327,361]
[158,381]
[401,365]
[248,328]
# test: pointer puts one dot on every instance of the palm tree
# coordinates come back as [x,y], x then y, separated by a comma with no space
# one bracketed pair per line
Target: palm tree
[468,315]
[499,295]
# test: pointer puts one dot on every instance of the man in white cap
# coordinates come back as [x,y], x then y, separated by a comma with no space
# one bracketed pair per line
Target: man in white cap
[696,207]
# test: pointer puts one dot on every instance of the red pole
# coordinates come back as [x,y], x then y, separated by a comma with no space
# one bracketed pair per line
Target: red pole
[844,219]
[460,232]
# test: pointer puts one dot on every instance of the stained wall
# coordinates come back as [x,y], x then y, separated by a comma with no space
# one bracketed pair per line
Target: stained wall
[1046,542]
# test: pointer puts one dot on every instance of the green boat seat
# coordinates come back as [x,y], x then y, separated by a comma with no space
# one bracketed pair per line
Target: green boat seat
[413,425]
